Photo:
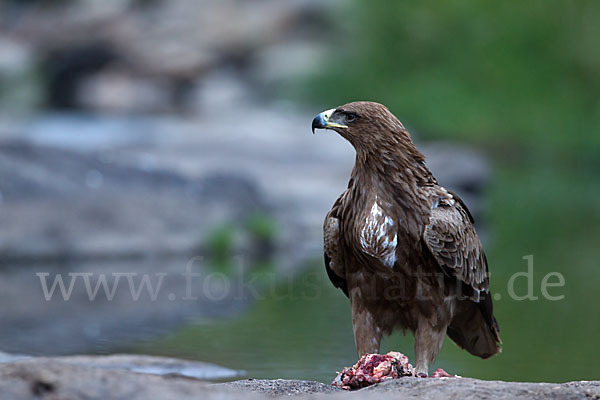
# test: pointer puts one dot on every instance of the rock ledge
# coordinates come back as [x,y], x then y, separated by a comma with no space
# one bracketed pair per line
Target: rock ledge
[54,378]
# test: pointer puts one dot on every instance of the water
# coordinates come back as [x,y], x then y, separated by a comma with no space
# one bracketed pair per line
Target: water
[303,331]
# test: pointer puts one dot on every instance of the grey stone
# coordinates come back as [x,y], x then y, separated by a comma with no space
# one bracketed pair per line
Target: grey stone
[58,378]
[53,379]
[466,388]
[113,210]
[276,65]
[151,365]
[119,91]
[217,92]
[14,57]
[207,33]
[280,387]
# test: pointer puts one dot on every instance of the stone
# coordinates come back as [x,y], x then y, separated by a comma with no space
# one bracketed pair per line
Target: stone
[280,387]
[114,210]
[118,91]
[152,365]
[54,378]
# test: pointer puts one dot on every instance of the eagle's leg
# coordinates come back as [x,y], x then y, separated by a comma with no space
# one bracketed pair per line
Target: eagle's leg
[428,343]
[367,334]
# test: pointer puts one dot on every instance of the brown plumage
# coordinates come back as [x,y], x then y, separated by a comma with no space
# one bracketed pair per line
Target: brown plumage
[402,247]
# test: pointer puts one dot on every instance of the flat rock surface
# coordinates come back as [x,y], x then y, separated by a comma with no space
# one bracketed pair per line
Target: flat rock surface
[280,387]
[52,379]
[466,388]
[418,388]
[153,365]
[97,377]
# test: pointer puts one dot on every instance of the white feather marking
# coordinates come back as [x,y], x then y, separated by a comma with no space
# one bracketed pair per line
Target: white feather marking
[390,258]
[375,236]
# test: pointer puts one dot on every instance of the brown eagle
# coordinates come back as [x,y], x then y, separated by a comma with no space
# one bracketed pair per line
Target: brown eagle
[402,247]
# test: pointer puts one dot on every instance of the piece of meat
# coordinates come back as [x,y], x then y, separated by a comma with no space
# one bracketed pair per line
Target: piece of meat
[374,368]
[440,373]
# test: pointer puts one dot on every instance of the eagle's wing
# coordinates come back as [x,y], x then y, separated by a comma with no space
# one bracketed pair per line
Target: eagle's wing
[334,263]
[451,238]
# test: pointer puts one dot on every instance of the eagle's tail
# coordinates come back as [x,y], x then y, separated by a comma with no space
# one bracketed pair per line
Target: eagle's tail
[475,329]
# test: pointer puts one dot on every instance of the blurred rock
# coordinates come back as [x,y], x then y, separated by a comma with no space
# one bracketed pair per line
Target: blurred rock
[143,364]
[166,48]
[113,210]
[55,379]
[118,91]
[282,63]
[209,32]
[152,365]
[217,92]
[14,57]
[66,69]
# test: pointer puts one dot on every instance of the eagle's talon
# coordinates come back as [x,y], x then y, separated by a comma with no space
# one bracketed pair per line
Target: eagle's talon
[421,375]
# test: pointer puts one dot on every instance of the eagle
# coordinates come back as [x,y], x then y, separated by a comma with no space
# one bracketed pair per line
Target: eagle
[403,248]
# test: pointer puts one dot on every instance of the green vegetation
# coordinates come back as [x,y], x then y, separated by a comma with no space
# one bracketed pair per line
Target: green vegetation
[497,74]
[262,227]
[220,245]
[260,232]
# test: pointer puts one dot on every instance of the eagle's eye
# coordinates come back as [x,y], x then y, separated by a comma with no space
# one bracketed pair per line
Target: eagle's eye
[351,117]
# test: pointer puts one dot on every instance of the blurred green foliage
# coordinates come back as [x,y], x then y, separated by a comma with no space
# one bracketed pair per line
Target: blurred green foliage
[258,233]
[494,73]
[220,242]
[262,227]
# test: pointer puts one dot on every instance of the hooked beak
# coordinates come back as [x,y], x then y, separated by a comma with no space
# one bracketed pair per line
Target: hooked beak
[323,121]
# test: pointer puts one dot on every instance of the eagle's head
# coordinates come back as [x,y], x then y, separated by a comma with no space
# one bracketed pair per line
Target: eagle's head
[364,124]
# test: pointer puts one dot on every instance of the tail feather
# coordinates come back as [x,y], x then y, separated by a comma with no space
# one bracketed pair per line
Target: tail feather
[475,329]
